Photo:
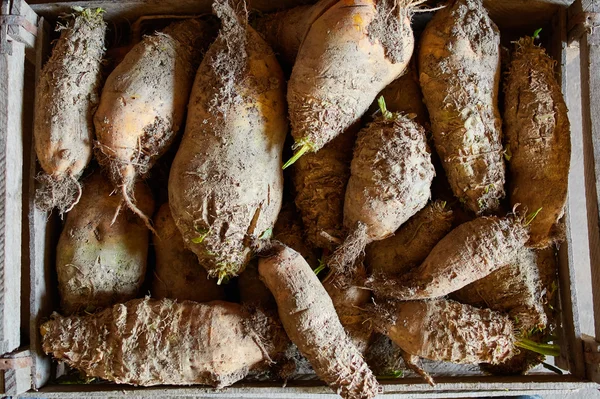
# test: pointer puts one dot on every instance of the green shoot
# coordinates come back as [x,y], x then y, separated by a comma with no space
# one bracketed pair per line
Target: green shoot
[529,219]
[384,111]
[320,268]
[393,375]
[305,147]
[507,154]
[203,234]
[536,34]
[443,203]
[542,349]
[268,233]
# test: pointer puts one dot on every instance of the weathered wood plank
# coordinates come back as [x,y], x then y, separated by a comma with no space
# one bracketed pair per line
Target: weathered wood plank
[402,388]
[42,299]
[11,162]
[24,32]
[132,9]
[590,75]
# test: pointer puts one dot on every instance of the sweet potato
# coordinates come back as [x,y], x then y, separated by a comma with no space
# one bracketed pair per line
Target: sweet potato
[101,256]
[412,242]
[285,30]
[178,274]
[310,320]
[320,181]
[226,182]
[390,181]
[446,330]
[143,103]
[468,253]
[404,96]
[148,342]
[66,97]
[537,129]
[338,72]
[514,289]
[459,64]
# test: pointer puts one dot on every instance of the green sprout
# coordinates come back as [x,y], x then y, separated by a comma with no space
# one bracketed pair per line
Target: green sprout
[384,111]
[536,34]
[507,154]
[304,147]
[531,217]
[393,375]
[268,233]
[320,268]
[542,349]
[203,234]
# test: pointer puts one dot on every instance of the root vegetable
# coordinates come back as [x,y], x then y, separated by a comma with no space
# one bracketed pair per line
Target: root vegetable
[143,103]
[320,181]
[285,30]
[101,256]
[390,181]
[446,331]
[338,72]
[348,298]
[148,342]
[226,182]
[538,133]
[178,274]
[67,95]
[468,253]
[253,292]
[459,64]
[310,320]
[514,289]
[411,244]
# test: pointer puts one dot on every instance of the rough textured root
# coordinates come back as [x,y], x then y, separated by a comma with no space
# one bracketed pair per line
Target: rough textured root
[446,330]
[351,68]
[523,361]
[343,260]
[468,253]
[391,175]
[145,342]
[514,289]
[414,363]
[459,64]
[127,197]
[67,96]
[348,299]
[101,259]
[311,322]
[223,200]
[389,28]
[320,181]
[253,291]
[538,134]
[230,64]
[63,193]
[411,244]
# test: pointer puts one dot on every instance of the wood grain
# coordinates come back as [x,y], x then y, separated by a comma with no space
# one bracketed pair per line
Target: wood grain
[590,75]
[11,162]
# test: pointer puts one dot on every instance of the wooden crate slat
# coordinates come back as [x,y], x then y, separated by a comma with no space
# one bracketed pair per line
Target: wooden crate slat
[11,161]
[41,251]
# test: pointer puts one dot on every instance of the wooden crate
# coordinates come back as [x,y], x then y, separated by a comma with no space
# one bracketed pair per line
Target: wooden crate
[28,237]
